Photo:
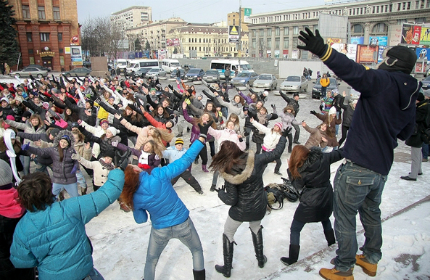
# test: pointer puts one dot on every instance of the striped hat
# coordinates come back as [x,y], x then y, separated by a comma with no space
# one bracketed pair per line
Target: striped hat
[279,124]
[179,141]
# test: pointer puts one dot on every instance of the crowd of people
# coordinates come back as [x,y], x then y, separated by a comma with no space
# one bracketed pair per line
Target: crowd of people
[99,126]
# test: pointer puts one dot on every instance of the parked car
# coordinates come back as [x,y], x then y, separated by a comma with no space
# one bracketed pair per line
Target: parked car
[294,84]
[141,72]
[244,78]
[155,72]
[426,82]
[266,81]
[212,76]
[316,89]
[40,67]
[86,64]
[195,74]
[173,74]
[187,67]
[27,71]
[77,71]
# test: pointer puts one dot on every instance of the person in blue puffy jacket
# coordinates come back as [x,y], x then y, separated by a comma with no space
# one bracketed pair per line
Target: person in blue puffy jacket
[51,235]
[154,194]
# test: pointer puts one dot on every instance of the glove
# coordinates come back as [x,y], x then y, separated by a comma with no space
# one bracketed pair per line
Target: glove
[221,189]
[321,107]
[273,106]
[170,86]
[25,147]
[76,156]
[313,43]
[115,143]
[123,161]
[286,131]
[313,112]
[204,129]
[74,169]
[187,101]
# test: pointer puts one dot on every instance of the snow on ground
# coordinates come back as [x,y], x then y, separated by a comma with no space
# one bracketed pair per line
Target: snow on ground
[120,244]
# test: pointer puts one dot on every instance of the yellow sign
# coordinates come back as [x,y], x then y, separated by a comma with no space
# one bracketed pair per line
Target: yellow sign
[43,54]
[77,63]
[67,50]
[233,31]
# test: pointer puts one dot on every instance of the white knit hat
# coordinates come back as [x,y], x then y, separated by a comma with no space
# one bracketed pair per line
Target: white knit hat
[332,110]
[112,130]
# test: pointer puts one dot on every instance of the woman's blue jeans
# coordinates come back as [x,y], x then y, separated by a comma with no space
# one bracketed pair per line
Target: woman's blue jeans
[186,233]
[71,189]
[357,189]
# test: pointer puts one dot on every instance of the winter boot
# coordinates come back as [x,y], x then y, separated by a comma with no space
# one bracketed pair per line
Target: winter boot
[199,274]
[294,255]
[257,239]
[278,173]
[213,188]
[204,168]
[83,191]
[196,161]
[368,268]
[334,274]
[228,257]
[329,236]
[247,147]
[290,148]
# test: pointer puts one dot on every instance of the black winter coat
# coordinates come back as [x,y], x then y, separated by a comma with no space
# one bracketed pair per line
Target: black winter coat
[245,191]
[420,125]
[348,112]
[316,200]
[292,102]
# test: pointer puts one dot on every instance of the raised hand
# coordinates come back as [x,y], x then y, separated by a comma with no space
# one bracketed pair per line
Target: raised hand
[118,116]
[313,43]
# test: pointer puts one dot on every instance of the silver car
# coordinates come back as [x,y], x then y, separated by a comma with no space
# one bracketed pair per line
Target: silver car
[211,76]
[294,84]
[266,81]
[155,72]
[26,72]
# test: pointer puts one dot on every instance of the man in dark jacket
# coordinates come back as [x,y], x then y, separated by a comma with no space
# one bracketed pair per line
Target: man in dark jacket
[385,111]
[416,140]
[295,103]
[87,114]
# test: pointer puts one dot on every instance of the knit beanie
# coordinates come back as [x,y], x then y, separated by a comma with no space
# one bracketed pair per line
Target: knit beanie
[179,141]
[332,110]
[54,132]
[67,138]
[279,124]
[26,114]
[398,58]
[5,175]
[112,130]
[103,121]
[108,153]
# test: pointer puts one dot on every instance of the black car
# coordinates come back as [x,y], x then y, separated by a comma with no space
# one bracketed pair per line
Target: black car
[141,72]
[316,89]
[173,74]
[426,83]
[40,67]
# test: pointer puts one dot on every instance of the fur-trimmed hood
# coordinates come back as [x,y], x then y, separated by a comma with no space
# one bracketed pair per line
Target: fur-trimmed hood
[60,134]
[245,174]
[315,154]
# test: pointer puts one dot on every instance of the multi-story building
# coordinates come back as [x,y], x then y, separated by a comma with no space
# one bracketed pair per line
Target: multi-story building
[131,17]
[154,32]
[277,32]
[202,39]
[45,29]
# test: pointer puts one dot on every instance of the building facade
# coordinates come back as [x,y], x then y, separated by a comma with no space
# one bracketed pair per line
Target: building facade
[275,34]
[131,17]
[46,28]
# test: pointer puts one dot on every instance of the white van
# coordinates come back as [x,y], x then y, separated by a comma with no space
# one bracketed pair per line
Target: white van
[121,65]
[169,65]
[136,64]
[233,64]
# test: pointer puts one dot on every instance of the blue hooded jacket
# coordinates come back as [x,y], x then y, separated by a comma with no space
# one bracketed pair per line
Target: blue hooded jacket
[54,239]
[157,196]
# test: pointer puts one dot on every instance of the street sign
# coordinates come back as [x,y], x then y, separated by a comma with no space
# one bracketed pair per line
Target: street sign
[233,34]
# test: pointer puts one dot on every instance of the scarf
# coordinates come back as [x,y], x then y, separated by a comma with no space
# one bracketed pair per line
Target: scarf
[108,166]
[11,154]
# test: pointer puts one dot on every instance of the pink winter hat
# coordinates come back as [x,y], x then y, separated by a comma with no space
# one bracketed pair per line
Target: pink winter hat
[279,124]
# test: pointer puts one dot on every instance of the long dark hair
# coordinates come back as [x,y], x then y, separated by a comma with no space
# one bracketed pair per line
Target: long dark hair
[228,156]
[298,157]
[131,184]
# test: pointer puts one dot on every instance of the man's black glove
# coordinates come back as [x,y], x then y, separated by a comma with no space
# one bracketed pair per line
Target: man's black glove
[313,43]
[145,85]
[170,86]
[204,129]
[221,189]
[123,161]
[321,107]
[313,112]
[286,131]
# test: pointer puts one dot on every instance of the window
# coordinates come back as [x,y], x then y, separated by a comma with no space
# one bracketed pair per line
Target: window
[29,37]
[261,32]
[357,28]
[286,43]
[295,30]
[60,50]
[30,51]
[380,28]
[277,31]
[254,44]
[62,60]
[286,30]
[56,13]
[60,37]
[41,12]
[277,44]
[269,31]
[269,43]
[295,41]
[26,11]
[44,37]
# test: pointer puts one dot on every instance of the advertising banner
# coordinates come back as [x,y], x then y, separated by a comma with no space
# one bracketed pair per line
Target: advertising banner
[357,40]
[172,42]
[411,34]
[380,52]
[378,40]
[352,51]
[423,53]
[76,55]
[425,36]
[246,15]
[233,34]
[162,54]
[367,54]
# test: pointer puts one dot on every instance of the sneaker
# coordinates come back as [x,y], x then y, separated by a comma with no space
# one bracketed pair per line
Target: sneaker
[296,142]
[425,160]
[407,178]
[213,187]
[200,192]
[334,274]
[278,173]
[368,268]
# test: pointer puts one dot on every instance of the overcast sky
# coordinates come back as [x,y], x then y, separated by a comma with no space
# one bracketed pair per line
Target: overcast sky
[196,11]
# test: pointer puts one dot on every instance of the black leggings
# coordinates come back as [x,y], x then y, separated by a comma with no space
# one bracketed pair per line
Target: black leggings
[203,155]
[278,163]
[344,133]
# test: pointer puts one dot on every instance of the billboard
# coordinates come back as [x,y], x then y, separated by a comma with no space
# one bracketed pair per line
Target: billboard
[172,42]
[423,53]
[425,36]
[233,34]
[246,15]
[357,40]
[378,40]
[367,54]
[76,55]
[415,34]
